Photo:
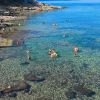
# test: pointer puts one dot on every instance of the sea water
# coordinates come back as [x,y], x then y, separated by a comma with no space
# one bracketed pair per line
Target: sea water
[78,24]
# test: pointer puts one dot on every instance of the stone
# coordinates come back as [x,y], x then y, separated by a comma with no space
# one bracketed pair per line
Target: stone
[12,94]
[21,86]
[31,77]
[1,94]
[1,59]
[5,42]
[84,91]
[70,94]
[26,91]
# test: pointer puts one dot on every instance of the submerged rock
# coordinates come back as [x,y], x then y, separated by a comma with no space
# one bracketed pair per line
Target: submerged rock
[31,77]
[85,65]
[24,63]
[10,90]
[64,82]
[84,91]
[1,94]
[12,95]
[70,94]
[18,87]
[1,59]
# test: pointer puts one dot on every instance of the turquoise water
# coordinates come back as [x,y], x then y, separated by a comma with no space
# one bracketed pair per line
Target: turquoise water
[81,25]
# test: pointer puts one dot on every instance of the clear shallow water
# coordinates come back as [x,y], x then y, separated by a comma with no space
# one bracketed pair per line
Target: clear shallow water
[81,24]
[83,21]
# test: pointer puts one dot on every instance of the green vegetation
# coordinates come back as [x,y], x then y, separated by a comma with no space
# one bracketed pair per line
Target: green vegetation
[15,2]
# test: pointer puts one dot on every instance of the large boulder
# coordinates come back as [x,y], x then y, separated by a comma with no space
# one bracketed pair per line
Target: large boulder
[20,86]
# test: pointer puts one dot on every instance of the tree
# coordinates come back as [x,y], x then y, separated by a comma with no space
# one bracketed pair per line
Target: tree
[8,2]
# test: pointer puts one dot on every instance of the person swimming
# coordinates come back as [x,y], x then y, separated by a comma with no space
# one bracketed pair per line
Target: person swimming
[54,24]
[76,49]
[52,53]
[64,35]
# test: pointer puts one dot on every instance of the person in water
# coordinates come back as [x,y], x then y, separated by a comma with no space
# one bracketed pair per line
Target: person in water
[64,35]
[75,50]
[52,53]
[54,24]
[28,55]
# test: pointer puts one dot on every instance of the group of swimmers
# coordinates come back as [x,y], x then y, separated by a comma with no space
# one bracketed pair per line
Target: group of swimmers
[52,53]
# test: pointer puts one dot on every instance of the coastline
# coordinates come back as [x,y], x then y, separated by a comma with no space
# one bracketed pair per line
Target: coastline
[64,78]
[11,16]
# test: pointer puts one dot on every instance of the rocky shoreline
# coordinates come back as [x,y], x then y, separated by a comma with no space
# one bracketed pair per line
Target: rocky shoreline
[11,16]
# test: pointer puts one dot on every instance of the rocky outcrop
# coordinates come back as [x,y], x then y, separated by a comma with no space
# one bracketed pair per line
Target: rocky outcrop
[18,87]
[10,90]
[5,42]
[34,78]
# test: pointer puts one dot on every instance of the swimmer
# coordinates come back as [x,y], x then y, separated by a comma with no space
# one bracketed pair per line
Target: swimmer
[54,24]
[52,53]
[75,50]
[64,35]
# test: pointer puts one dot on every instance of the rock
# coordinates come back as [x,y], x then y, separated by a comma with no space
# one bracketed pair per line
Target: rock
[84,91]
[71,71]
[26,91]
[31,77]
[12,95]
[85,65]
[24,63]
[70,94]
[30,93]
[1,94]
[21,86]
[1,59]
[64,82]
[18,87]
[5,42]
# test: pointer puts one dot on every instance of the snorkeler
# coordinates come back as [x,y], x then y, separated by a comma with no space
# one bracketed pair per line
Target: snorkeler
[75,50]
